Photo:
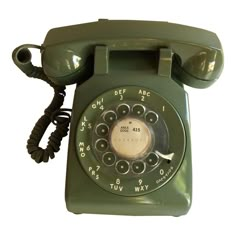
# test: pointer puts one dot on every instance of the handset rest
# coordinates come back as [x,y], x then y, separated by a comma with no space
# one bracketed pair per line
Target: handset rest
[67,52]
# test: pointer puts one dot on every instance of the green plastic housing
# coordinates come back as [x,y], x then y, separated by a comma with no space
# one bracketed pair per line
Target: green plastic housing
[83,195]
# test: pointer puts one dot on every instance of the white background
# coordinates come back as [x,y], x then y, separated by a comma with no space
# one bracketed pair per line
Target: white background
[32,196]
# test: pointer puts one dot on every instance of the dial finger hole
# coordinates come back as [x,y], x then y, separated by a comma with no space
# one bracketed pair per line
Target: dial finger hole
[138,167]
[102,129]
[109,158]
[151,117]
[122,167]
[101,145]
[152,159]
[123,109]
[110,116]
[138,109]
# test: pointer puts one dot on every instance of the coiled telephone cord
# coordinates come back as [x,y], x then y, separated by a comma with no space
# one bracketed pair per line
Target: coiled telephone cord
[52,114]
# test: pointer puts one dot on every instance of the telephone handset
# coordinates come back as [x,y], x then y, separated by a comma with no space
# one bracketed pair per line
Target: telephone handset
[129,146]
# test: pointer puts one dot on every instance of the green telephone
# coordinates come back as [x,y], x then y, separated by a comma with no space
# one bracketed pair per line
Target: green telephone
[129,145]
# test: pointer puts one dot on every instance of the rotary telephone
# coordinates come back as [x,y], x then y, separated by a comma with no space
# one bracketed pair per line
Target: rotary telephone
[129,146]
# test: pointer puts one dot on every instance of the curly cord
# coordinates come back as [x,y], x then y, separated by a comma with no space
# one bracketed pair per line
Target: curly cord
[53,114]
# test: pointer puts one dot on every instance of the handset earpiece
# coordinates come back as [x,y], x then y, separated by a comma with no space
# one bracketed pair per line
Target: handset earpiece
[198,67]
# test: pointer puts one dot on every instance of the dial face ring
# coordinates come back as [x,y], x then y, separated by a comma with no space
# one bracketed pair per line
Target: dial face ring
[125,137]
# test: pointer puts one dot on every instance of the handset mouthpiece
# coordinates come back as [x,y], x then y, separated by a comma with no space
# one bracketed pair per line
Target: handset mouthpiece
[22,58]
